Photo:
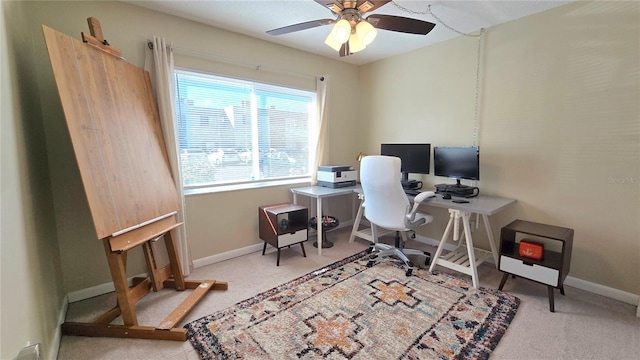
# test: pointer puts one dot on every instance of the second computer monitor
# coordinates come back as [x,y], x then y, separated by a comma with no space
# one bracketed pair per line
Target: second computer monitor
[415,157]
[457,162]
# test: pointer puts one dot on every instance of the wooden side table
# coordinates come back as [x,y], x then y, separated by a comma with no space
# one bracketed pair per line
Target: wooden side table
[554,266]
[283,225]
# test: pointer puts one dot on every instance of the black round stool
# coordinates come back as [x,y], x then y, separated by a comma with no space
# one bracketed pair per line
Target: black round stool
[328,223]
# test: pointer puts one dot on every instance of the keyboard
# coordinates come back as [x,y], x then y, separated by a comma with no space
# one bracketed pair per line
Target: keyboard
[411,192]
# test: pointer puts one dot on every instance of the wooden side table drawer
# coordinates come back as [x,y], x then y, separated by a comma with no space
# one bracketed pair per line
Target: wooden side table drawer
[290,239]
[533,272]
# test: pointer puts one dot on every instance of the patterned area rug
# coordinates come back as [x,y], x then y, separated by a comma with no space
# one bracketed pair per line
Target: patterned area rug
[350,311]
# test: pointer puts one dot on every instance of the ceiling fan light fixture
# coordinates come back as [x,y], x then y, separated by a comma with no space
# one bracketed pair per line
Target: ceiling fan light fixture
[341,31]
[355,44]
[366,32]
[332,43]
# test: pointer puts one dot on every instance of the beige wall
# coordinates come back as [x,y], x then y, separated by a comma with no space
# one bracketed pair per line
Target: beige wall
[32,294]
[559,124]
[559,131]
[215,222]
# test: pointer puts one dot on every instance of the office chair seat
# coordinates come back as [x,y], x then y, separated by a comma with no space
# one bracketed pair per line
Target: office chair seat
[386,205]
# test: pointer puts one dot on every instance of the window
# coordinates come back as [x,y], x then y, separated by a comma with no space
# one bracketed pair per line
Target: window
[234,131]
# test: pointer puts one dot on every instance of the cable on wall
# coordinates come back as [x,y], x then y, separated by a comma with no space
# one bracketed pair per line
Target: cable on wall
[479,54]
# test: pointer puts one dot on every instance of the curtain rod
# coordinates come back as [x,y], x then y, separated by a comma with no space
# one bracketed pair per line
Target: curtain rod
[257,67]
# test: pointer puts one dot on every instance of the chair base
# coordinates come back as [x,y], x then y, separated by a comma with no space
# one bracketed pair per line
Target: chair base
[385,251]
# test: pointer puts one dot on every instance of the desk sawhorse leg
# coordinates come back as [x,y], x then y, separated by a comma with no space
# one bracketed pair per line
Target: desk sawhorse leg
[371,233]
[464,259]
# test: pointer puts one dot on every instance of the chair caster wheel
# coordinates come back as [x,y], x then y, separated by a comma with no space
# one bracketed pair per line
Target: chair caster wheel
[370,250]
[427,258]
[371,263]
[409,272]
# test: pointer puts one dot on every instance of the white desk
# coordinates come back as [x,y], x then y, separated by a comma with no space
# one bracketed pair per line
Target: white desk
[465,259]
[319,193]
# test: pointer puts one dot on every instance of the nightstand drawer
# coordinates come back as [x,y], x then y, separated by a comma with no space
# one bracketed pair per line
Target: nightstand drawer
[290,239]
[534,272]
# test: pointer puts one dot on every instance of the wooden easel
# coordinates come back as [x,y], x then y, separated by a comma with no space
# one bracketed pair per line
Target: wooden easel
[114,127]
[169,276]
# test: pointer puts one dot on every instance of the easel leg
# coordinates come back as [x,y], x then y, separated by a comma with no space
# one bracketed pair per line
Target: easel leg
[156,280]
[174,260]
[118,268]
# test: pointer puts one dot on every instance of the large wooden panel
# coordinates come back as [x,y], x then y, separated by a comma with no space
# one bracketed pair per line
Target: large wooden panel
[116,135]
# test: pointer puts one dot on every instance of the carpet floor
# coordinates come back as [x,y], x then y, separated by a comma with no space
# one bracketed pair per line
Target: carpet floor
[584,326]
[349,310]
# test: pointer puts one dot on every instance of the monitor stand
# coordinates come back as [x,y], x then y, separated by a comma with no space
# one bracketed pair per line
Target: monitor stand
[457,189]
[409,184]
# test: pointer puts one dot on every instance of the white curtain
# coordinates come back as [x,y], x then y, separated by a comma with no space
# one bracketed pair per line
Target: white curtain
[322,88]
[159,64]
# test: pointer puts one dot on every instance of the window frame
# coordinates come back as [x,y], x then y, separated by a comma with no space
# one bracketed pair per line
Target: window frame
[313,126]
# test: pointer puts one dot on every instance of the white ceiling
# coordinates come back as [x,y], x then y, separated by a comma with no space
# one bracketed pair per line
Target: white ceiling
[255,17]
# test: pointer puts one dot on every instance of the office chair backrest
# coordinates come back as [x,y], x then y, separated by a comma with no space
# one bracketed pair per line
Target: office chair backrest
[385,203]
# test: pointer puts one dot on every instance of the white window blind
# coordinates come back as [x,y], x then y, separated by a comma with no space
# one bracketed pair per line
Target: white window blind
[237,131]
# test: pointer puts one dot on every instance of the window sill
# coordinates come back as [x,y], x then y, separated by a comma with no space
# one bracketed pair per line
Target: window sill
[246,186]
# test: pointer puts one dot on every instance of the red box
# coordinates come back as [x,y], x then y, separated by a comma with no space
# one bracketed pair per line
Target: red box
[531,249]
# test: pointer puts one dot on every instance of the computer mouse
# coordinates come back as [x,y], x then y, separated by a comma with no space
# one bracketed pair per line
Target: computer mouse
[446,196]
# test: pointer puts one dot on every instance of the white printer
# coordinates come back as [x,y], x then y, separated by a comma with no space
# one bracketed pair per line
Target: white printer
[336,176]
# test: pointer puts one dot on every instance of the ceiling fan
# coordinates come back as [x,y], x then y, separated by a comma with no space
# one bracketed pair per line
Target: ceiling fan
[352,32]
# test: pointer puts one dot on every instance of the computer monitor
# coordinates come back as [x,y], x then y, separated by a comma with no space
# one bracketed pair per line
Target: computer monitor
[416,158]
[457,162]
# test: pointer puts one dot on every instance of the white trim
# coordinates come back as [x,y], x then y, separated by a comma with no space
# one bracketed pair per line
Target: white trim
[598,289]
[97,290]
[248,250]
[606,291]
[227,255]
[57,336]
[594,288]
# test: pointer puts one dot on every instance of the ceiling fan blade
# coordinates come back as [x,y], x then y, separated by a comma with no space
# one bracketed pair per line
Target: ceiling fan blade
[300,26]
[336,6]
[400,24]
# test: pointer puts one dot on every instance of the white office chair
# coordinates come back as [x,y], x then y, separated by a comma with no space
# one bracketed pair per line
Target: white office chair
[387,206]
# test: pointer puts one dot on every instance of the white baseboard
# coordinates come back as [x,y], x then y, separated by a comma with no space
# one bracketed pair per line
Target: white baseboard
[606,291]
[594,288]
[248,249]
[57,337]
[226,255]
[97,290]
[109,287]
[598,289]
